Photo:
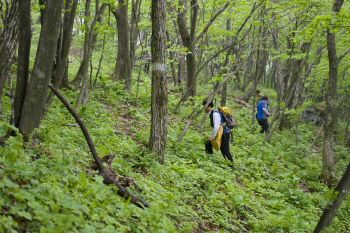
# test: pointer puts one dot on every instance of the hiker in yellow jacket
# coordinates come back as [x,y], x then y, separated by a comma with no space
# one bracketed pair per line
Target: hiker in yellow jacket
[217,120]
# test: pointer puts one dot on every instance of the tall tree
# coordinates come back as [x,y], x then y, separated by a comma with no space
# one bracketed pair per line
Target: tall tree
[25,36]
[11,43]
[159,96]
[37,88]
[84,90]
[327,174]
[68,23]
[189,40]
[329,213]
[122,69]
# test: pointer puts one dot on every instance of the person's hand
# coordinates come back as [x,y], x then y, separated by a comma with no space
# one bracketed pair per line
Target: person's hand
[210,139]
[269,115]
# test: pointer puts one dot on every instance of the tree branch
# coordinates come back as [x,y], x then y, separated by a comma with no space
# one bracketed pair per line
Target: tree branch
[343,55]
[102,170]
[210,22]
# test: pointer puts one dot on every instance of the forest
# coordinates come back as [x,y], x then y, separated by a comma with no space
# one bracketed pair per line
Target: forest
[104,123]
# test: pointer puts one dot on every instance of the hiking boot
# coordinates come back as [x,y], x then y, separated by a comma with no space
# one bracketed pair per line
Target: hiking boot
[232,166]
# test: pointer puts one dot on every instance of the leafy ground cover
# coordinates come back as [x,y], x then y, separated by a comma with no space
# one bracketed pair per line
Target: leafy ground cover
[51,187]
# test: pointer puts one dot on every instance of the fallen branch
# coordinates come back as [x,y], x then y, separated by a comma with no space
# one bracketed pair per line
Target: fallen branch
[102,170]
[318,134]
[243,103]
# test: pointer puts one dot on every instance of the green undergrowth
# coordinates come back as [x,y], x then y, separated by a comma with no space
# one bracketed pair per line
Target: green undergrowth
[46,189]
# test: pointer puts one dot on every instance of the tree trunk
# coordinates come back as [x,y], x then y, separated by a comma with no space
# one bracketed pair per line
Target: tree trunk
[259,71]
[181,58]
[84,66]
[172,65]
[84,91]
[135,18]
[122,69]
[188,39]
[68,23]
[228,53]
[327,174]
[11,44]
[159,102]
[37,89]
[330,212]
[25,36]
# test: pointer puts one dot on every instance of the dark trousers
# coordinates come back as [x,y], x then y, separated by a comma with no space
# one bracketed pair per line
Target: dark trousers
[264,125]
[225,147]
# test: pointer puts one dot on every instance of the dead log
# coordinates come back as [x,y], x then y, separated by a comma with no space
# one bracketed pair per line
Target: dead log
[243,103]
[102,170]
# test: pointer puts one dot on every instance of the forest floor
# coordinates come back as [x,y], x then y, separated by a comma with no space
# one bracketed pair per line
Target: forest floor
[274,189]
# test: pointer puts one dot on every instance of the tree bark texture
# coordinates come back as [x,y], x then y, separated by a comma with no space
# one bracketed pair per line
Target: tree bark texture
[135,18]
[84,90]
[84,66]
[159,99]
[11,44]
[328,160]
[188,41]
[224,86]
[262,57]
[24,38]
[37,88]
[122,69]
[172,64]
[68,23]
[330,212]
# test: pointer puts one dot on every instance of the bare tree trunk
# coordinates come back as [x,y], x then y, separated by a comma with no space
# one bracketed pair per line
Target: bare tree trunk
[135,18]
[159,104]
[84,91]
[262,57]
[224,86]
[37,89]
[172,65]
[83,69]
[68,23]
[11,44]
[122,69]
[327,174]
[25,37]
[330,212]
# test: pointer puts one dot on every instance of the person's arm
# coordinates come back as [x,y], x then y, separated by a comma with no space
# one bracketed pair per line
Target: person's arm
[264,108]
[217,122]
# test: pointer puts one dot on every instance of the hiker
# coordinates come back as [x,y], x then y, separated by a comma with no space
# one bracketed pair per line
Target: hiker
[216,119]
[263,113]
[258,97]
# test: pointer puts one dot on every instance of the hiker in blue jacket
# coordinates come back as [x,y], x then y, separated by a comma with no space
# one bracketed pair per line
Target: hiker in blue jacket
[263,113]
[216,119]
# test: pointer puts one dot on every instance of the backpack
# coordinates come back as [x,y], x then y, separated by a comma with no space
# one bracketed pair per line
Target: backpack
[230,120]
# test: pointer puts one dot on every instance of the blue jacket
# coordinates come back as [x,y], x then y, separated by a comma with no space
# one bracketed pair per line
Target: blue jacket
[262,104]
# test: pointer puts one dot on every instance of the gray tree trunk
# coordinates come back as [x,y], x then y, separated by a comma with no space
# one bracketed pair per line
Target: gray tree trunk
[262,57]
[122,69]
[84,90]
[84,66]
[172,64]
[135,18]
[159,102]
[25,36]
[188,39]
[11,44]
[327,174]
[330,212]
[37,89]
[68,23]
